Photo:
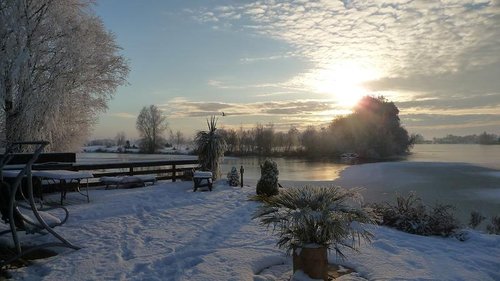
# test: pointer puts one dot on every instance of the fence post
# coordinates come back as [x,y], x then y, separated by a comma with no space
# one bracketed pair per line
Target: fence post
[131,171]
[173,173]
[242,170]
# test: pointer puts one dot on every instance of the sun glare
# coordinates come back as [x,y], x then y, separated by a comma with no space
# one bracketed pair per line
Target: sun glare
[343,82]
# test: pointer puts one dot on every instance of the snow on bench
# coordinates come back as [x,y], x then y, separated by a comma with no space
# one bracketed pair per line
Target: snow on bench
[199,177]
[128,181]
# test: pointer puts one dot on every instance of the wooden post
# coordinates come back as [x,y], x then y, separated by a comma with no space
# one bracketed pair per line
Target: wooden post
[242,171]
[173,173]
[131,171]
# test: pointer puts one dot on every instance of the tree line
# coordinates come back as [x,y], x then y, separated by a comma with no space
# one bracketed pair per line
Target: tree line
[483,138]
[373,130]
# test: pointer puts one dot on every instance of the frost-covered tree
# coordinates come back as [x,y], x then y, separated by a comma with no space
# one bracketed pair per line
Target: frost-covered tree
[233,177]
[268,182]
[58,69]
[151,124]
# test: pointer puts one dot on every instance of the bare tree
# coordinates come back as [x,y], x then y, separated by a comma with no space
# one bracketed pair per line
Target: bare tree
[151,125]
[179,138]
[58,69]
[120,139]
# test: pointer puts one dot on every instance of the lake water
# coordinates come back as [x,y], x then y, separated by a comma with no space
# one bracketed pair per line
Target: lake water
[466,176]
[296,169]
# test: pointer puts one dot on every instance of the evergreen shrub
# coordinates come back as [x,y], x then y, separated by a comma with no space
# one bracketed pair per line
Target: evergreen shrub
[233,177]
[268,182]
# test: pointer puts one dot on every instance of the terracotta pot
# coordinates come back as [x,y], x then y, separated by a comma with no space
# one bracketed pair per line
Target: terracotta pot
[313,261]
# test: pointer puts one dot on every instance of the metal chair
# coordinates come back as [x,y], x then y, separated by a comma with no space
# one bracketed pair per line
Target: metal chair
[11,209]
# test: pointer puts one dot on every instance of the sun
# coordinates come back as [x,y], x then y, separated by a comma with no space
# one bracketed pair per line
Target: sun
[343,81]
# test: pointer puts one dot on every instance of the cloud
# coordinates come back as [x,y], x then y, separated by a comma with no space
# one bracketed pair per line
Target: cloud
[436,57]
[123,115]
[478,80]
[183,108]
[397,38]
[442,124]
[267,58]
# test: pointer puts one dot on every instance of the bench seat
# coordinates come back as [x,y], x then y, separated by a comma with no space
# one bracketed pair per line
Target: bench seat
[128,181]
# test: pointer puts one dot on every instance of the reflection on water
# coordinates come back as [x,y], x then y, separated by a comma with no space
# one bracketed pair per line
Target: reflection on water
[295,169]
[289,168]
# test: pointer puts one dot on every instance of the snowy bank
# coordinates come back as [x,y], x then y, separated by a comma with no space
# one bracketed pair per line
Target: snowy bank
[167,232]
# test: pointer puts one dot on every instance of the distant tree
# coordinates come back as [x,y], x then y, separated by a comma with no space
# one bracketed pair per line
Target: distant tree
[292,138]
[486,138]
[210,147]
[151,125]
[58,69]
[120,139]
[279,141]
[417,139]
[179,138]
[309,140]
[232,140]
[373,130]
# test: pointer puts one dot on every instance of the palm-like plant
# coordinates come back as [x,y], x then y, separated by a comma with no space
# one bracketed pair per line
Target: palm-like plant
[210,147]
[324,216]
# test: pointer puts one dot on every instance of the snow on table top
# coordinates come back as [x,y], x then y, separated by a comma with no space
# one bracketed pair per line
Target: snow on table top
[168,232]
[62,174]
[10,173]
[51,174]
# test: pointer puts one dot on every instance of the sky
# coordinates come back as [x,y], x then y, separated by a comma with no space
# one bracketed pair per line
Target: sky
[300,63]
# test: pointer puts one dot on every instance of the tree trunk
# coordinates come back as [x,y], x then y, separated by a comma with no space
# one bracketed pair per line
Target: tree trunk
[312,261]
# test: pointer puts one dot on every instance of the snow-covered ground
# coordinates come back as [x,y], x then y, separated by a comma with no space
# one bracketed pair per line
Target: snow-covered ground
[167,232]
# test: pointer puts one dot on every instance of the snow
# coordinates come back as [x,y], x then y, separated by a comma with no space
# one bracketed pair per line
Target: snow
[168,232]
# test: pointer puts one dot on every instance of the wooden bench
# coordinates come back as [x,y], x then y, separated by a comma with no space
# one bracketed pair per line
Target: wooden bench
[201,179]
[128,181]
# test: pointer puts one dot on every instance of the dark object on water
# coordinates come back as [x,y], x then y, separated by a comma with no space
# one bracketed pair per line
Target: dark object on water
[349,155]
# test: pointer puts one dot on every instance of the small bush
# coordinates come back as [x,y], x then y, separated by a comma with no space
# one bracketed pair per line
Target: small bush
[268,182]
[475,219]
[410,215]
[494,226]
[442,221]
[233,177]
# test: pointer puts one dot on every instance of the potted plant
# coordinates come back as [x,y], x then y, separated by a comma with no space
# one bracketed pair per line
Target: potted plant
[311,220]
